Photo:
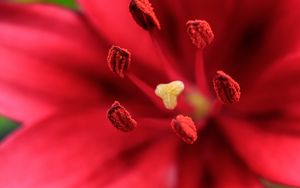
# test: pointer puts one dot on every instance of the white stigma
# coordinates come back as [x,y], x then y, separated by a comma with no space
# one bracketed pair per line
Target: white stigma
[169,92]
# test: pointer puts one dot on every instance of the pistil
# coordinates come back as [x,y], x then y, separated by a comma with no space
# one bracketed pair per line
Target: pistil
[169,92]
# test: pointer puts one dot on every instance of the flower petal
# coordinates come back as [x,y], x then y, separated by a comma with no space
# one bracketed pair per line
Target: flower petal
[271,154]
[274,99]
[48,57]
[255,38]
[210,162]
[82,149]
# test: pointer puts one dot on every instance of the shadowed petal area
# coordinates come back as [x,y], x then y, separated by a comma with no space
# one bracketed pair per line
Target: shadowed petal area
[272,109]
[48,57]
[255,39]
[210,162]
[269,153]
[85,150]
[226,168]
[274,100]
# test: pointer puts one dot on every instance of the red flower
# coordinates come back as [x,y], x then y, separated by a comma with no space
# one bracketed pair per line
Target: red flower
[55,79]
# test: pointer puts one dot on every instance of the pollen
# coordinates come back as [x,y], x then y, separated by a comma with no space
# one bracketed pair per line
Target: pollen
[169,93]
[143,14]
[120,118]
[118,60]
[226,88]
[184,128]
[200,33]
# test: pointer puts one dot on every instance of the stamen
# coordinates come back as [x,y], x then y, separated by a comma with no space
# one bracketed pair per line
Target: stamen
[227,89]
[142,12]
[121,118]
[200,33]
[185,128]
[169,92]
[118,60]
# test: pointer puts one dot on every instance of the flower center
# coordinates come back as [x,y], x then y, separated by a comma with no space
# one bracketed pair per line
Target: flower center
[200,104]
[166,96]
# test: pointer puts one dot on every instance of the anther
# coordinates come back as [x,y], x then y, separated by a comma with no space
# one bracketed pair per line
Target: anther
[169,92]
[121,118]
[226,88]
[185,128]
[142,12]
[200,33]
[118,60]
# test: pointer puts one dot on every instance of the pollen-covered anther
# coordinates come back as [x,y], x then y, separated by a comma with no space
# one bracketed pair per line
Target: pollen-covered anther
[185,128]
[169,92]
[118,60]
[200,33]
[121,118]
[143,13]
[226,88]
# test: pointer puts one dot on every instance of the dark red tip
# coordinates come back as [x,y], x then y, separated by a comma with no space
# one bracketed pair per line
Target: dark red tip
[226,88]
[118,60]
[185,128]
[121,118]
[142,12]
[200,33]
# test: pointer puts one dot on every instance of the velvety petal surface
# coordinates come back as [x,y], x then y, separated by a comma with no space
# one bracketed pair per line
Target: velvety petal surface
[48,58]
[210,162]
[271,154]
[272,110]
[274,100]
[83,149]
[255,38]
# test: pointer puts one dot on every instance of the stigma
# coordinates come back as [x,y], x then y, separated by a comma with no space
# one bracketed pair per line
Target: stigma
[169,93]
[120,118]
[200,33]
[226,88]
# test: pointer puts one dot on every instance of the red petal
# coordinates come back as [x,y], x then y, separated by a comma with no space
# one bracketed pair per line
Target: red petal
[210,162]
[227,168]
[83,150]
[255,37]
[272,154]
[274,100]
[45,57]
